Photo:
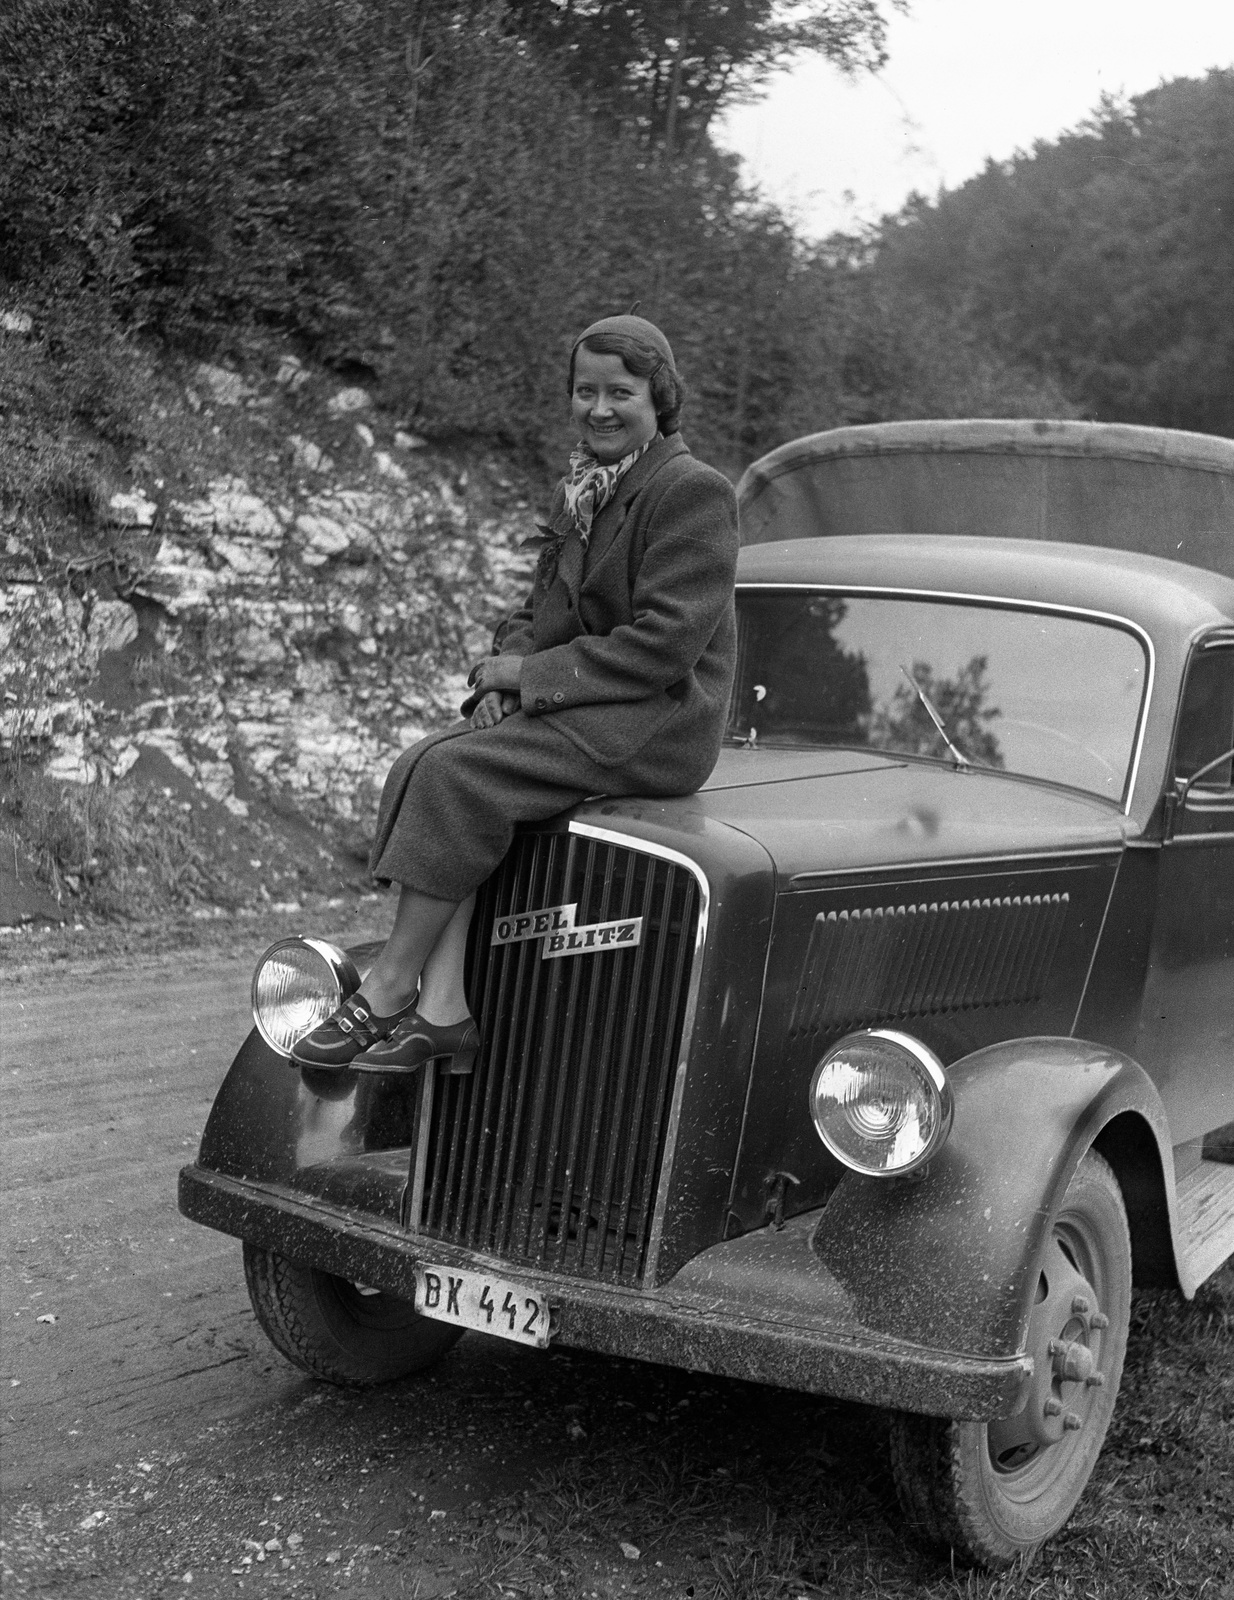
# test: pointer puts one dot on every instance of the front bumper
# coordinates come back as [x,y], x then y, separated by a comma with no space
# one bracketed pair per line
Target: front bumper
[762,1307]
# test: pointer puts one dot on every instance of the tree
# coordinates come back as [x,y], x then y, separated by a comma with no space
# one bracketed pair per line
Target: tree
[440,193]
[796,681]
[904,723]
[1101,259]
[671,65]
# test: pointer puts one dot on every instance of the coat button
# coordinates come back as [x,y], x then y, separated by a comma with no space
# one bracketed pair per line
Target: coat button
[541,702]
[558,698]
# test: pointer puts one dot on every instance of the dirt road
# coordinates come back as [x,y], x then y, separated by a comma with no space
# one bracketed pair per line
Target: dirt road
[122,1319]
[154,1444]
[151,1433]
[149,1429]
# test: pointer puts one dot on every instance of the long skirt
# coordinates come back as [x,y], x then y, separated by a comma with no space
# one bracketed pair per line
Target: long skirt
[451,803]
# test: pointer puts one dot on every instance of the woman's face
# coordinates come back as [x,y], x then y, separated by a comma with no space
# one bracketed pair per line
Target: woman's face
[613,410]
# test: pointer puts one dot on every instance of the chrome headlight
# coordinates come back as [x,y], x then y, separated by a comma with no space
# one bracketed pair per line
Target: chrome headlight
[298,983]
[881,1102]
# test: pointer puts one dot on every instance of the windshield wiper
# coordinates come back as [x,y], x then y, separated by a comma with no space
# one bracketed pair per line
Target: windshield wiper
[960,758]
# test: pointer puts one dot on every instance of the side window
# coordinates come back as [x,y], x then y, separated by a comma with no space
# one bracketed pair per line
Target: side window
[1206,721]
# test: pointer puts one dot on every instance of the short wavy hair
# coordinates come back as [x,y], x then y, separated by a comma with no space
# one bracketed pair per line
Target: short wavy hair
[668,392]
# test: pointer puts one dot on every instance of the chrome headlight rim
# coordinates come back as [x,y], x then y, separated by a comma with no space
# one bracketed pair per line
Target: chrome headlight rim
[342,979]
[934,1075]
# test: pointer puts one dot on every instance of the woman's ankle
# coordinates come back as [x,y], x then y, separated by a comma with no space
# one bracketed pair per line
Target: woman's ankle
[385,1000]
[443,1011]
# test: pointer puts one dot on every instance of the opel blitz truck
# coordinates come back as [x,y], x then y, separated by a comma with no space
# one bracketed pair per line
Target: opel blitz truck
[917,1050]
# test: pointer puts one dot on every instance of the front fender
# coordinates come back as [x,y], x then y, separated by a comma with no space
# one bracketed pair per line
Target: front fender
[952,1258]
[320,1131]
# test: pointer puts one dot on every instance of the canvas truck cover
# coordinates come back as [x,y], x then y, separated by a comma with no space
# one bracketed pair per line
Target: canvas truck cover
[1152,490]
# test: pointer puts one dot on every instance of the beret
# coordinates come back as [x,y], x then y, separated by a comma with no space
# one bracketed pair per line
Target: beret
[633,328]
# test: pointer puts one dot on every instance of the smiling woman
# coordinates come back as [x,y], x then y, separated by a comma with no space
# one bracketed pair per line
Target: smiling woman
[612,406]
[624,387]
[612,678]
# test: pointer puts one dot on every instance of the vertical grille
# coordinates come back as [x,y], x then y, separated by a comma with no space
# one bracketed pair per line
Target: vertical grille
[549,1154]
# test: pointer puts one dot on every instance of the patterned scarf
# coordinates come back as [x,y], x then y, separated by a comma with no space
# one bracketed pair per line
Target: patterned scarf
[590,485]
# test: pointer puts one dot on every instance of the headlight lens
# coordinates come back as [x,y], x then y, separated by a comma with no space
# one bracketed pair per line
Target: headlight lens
[881,1102]
[297,985]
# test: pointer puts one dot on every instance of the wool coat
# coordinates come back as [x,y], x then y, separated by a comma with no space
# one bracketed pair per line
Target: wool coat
[629,649]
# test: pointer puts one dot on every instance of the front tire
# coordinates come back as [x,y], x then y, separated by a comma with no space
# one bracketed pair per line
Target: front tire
[995,1491]
[336,1330]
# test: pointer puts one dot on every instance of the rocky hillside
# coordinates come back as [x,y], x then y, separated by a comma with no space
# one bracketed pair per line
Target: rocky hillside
[235,615]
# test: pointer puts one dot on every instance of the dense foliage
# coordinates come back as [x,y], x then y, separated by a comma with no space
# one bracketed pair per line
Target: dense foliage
[1104,258]
[668,66]
[434,200]
[435,197]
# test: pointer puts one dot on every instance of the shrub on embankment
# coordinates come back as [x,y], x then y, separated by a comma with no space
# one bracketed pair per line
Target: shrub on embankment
[426,196]
[424,201]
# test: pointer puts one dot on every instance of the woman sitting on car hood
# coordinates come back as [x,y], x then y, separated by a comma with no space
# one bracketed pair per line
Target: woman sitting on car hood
[613,677]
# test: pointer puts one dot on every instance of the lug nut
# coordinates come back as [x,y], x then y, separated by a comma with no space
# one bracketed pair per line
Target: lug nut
[1099,1320]
[1095,1380]
[1079,1304]
[1072,1423]
[1053,1407]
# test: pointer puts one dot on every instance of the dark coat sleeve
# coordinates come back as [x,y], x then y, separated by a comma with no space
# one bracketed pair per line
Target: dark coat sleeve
[517,636]
[518,631]
[683,587]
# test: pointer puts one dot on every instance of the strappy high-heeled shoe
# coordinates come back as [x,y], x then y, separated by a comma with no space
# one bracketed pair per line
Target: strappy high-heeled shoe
[415,1042]
[353,1028]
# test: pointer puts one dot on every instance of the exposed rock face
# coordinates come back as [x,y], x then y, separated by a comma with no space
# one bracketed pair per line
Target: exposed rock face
[132,511]
[229,508]
[309,457]
[44,665]
[221,386]
[291,373]
[112,626]
[347,400]
[289,643]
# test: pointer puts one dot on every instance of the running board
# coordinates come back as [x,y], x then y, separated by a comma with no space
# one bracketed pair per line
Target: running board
[1205,1222]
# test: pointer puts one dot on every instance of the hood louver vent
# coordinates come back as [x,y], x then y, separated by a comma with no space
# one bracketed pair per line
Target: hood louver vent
[891,962]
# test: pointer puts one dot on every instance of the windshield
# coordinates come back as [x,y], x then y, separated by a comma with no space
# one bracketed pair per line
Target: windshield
[1046,695]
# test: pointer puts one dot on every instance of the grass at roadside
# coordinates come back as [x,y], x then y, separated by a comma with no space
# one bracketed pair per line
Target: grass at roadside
[747,1494]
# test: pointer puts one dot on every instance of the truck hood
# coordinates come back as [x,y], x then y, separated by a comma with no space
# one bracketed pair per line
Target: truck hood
[828,812]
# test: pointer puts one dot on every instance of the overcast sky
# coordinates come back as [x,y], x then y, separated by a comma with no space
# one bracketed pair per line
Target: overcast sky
[967,80]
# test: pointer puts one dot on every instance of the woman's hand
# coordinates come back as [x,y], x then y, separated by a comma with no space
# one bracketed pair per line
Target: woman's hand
[497,679]
[497,674]
[492,708]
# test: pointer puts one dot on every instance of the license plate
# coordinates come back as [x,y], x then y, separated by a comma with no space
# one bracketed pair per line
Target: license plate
[486,1304]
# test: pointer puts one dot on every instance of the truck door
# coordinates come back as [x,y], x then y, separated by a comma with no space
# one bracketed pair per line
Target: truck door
[1186,1028]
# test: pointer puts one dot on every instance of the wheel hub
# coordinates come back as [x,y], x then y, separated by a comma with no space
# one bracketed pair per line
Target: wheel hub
[1064,1339]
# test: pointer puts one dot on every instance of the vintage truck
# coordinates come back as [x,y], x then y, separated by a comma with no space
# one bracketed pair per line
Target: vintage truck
[918,1051]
